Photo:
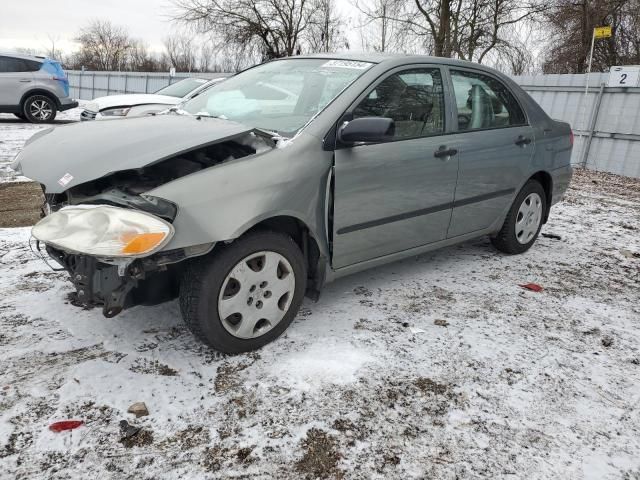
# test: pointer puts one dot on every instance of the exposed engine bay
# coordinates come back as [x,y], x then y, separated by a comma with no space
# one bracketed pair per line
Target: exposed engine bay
[116,284]
[126,188]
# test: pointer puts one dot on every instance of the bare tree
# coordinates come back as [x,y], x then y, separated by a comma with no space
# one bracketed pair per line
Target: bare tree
[571,26]
[326,28]
[275,27]
[181,52]
[381,29]
[466,29]
[51,51]
[103,46]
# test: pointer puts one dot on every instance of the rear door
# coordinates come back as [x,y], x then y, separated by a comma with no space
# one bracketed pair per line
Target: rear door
[496,144]
[395,195]
[15,80]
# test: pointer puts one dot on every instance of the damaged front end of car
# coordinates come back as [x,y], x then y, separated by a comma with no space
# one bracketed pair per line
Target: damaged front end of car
[111,236]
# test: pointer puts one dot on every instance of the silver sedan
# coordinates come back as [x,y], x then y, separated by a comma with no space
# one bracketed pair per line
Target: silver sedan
[289,175]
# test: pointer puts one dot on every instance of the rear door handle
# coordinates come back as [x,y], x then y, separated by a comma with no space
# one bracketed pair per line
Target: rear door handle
[444,152]
[522,141]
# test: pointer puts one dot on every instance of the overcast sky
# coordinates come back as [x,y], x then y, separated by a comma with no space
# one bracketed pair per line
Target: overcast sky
[28,23]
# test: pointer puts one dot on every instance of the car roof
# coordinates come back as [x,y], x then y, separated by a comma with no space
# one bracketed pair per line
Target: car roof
[392,58]
[22,56]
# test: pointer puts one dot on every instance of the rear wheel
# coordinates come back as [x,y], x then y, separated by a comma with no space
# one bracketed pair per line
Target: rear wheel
[524,220]
[39,109]
[246,294]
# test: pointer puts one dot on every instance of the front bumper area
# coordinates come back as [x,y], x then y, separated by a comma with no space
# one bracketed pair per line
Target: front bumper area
[88,115]
[118,287]
[68,106]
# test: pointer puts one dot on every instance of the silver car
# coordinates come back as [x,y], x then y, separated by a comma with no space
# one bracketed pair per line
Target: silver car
[33,88]
[245,201]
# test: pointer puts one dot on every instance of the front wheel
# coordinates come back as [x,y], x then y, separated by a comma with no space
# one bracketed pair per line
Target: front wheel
[39,109]
[524,220]
[246,294]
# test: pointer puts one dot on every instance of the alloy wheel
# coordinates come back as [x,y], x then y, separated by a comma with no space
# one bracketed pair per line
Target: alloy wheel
[40,110]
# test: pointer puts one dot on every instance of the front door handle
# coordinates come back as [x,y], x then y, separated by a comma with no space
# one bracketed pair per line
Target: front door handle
[444,152]
[522,141]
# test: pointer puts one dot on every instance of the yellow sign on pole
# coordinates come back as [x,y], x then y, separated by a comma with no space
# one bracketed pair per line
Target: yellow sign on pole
[602,32]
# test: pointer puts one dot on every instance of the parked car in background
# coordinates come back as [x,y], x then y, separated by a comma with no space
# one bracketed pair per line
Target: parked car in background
[33,88]
[240,206]
[136,104]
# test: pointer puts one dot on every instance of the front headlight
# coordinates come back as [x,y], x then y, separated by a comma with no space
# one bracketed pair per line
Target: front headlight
[115,112]
[104,231]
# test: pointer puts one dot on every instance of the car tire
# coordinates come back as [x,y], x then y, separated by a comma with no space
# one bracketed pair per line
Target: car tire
[523,222]
[20,116]
[224,296]
[39,109]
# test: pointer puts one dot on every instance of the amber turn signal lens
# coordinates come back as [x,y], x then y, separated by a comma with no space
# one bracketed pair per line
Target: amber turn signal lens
[141,242]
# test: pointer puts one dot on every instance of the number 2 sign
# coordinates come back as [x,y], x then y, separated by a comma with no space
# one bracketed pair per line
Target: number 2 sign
[624,76]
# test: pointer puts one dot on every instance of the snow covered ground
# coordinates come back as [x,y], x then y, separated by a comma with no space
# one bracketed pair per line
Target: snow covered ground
[436,367]
[14,132]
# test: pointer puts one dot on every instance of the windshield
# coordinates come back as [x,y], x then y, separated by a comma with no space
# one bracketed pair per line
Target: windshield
[280,96]
[181,88]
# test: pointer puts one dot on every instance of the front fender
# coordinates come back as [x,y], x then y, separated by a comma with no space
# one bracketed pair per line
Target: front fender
[222,202]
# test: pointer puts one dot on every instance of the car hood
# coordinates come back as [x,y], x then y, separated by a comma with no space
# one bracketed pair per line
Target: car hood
[66,156]
[112,101]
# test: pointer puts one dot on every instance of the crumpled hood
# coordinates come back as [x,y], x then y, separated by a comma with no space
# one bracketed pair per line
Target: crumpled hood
[130,100]
[66,156]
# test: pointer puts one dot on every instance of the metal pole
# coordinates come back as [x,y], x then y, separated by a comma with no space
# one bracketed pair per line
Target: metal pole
[592,127]
[93,86]
[586,84]
[108,84]
[586,93]
[125,83]
[146,84]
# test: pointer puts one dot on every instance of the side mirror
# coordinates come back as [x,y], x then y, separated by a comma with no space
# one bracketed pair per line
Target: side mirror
[367,129]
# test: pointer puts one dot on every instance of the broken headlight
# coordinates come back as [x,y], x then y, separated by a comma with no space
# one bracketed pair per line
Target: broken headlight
[104,231]
[115,112]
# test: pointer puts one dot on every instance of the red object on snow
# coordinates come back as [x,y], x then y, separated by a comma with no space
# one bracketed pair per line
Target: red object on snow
[534,287]
[65,425]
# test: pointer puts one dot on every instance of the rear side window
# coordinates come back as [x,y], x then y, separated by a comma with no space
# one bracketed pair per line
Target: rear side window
[484,102]
[413,98]
[12,65]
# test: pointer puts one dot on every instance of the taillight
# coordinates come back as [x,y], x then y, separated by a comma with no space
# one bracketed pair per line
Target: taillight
[571,138]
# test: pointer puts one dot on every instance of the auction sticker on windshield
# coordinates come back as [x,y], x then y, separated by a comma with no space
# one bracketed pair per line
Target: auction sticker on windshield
[346,64]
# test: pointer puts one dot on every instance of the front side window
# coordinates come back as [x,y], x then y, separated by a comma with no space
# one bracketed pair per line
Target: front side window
[413,98]
[484,102]
[280,96]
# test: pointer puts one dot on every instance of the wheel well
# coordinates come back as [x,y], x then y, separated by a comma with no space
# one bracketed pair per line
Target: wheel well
[300,234]
[547,183]
[45,93]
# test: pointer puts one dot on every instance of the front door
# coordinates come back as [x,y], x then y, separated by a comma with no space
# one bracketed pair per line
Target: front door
[396,195]
[495,145]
